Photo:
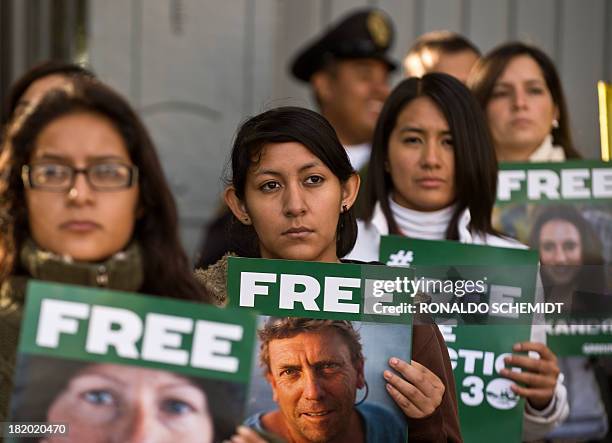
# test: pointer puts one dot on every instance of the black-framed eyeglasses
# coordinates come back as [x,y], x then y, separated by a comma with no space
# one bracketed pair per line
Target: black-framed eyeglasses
[60,177]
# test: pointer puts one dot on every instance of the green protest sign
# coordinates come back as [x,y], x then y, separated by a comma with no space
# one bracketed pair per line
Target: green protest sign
[565,211]
[488,409]
[495,284]
[321,290]
[99,365]
[579,337]
[316,309]
[99,325]
[572,181]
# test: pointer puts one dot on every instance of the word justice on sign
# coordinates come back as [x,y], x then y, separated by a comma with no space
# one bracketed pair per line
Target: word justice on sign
[122,329]
[567,184]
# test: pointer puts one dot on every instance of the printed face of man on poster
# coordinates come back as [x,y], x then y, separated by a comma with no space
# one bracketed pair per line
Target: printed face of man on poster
[315,371]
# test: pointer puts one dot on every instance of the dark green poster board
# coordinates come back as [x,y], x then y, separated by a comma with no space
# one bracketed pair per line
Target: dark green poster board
[282,289]
[499,277]
[565,211]
[116,366]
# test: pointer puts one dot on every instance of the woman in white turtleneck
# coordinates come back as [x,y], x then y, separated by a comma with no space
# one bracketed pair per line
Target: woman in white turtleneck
[433,175]
[412,223]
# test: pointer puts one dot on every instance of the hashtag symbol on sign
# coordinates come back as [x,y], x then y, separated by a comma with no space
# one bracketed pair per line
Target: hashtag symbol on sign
[401,258]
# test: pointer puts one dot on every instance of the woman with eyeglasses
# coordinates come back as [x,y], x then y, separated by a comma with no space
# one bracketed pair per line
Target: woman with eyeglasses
[84,201]
[293,186]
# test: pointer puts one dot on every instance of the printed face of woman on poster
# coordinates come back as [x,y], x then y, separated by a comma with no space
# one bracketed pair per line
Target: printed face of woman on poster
[115,403]
[573,266]
[560,251]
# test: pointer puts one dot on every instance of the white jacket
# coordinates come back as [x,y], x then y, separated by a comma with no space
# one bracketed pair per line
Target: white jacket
[536,424]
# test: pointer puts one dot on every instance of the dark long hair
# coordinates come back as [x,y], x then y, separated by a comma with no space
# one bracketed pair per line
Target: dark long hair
[475,165]
[489,68]
[294,124]
[166,267]
[44,69]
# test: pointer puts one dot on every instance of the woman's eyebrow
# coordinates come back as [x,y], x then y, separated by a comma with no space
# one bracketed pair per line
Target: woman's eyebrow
[181,384]
[505,84]
[276,173]
[536,81]
[103,376]
[309,165]
[267,172]
[51,156]
[421,130]
[98,158]
[502,84]
[412,129]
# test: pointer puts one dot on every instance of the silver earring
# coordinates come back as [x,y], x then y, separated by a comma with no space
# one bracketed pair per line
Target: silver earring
[555,123]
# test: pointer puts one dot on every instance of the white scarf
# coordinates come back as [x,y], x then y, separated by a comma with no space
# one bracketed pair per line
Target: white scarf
[546,152]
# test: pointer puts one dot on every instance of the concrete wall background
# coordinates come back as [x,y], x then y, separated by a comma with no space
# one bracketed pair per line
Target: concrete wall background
[196,68]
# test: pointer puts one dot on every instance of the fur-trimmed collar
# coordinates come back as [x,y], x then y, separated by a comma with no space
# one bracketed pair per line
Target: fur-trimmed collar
[214,280]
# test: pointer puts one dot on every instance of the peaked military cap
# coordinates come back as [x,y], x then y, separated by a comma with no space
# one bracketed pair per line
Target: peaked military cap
[367,33]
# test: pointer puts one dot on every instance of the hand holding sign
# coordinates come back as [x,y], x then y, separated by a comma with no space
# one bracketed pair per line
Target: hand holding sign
[539,375]
[419,392]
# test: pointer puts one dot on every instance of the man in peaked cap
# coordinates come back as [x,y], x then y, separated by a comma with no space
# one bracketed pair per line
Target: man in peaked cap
[348,69]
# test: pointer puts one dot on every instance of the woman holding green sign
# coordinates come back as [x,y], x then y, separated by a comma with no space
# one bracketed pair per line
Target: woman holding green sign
[432,175]
[84,201]
[519,89]
[293,185]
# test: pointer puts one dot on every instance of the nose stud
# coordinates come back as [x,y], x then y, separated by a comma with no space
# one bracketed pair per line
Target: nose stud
[73,194]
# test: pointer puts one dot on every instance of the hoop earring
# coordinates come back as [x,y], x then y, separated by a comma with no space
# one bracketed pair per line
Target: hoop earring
[367,391]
